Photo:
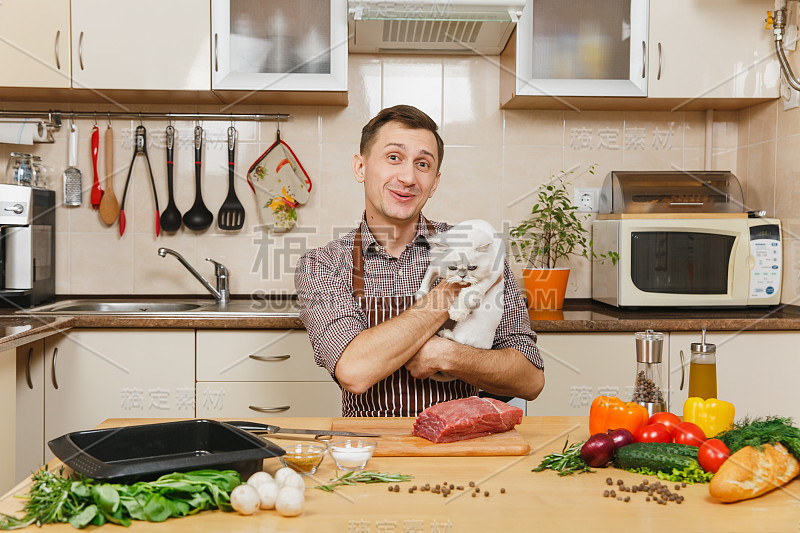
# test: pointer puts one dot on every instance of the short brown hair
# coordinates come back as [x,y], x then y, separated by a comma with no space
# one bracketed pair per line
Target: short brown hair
[407,115]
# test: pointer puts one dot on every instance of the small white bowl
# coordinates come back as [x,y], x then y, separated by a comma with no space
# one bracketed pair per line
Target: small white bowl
[351,454]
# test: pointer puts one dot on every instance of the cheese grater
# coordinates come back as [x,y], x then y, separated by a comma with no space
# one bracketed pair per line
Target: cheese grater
[73,193]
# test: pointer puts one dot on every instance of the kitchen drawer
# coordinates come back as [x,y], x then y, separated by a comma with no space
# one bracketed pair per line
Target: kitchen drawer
[293,398]
[245,355]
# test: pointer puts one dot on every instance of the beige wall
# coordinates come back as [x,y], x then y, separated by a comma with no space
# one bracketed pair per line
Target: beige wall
[493,163]
[769,157]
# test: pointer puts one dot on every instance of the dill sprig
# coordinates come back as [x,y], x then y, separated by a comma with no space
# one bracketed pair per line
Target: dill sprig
[759,431]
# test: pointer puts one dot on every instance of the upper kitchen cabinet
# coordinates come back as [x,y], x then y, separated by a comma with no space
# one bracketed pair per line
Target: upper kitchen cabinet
[722,50]
[667,55]
[271,50]
[142,45]
[582,48]
[34,43]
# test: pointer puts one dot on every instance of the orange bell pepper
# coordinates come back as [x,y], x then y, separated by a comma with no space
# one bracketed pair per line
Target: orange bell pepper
[609,412]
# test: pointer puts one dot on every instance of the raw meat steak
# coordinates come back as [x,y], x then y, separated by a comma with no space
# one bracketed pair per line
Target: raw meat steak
[466,418]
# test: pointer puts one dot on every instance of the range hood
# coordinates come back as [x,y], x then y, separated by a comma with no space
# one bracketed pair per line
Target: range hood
[433,26]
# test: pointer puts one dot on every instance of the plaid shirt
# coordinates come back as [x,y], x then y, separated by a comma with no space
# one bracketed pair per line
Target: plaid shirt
[333,317]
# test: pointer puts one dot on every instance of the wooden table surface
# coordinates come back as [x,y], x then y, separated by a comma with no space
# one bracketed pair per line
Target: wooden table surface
[532,501]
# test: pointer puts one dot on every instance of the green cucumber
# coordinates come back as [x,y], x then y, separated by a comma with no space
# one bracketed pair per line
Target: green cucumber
[658,456]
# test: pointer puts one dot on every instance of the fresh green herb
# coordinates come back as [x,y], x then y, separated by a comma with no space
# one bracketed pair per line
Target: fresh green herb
[691,474]
[565,463]
[54,498]
[759,431]
[366,476]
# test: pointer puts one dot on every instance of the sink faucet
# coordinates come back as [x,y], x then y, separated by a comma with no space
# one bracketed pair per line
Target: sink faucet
[221,293]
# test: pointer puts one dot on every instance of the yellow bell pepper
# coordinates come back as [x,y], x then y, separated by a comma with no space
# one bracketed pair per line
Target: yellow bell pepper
[712,415]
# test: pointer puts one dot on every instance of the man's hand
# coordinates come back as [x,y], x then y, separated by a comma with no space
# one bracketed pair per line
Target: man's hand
[427,361]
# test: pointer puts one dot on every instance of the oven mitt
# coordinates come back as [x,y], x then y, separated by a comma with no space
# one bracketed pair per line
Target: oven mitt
[280,184]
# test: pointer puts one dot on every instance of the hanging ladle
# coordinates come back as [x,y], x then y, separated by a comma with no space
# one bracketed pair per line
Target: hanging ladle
[198,217]
[171,217]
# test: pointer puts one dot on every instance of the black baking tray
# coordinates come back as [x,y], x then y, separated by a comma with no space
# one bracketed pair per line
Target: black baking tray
[145,452]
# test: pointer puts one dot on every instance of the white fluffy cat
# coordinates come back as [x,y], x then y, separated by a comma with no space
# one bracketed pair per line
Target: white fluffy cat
[471,252]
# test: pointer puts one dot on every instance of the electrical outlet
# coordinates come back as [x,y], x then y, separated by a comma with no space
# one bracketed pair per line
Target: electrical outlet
[586,199]
[791,97]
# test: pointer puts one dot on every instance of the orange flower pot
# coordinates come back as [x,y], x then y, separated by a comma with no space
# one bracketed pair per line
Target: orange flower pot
[545,288]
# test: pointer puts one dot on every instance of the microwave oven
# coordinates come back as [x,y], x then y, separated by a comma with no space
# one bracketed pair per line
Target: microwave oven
[688,262]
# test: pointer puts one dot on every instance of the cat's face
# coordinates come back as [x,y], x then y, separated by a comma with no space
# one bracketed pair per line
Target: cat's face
[466,258]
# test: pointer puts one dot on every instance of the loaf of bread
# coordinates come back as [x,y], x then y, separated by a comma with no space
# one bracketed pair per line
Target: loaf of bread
[751,472]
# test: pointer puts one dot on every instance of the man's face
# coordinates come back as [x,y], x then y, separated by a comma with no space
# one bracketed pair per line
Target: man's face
[399,173]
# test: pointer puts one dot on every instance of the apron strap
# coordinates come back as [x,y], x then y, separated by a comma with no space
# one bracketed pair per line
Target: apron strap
[358,260]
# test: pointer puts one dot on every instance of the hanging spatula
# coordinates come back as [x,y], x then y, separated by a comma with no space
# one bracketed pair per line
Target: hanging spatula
[231,214]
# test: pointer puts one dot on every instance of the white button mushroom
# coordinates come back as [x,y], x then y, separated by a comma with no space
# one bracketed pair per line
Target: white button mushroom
[268,492]
[282,474]
[295,482]
[290,501]
[258,479]
[245,499]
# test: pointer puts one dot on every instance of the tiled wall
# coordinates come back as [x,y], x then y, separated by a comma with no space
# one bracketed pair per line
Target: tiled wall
[769,156]
[494,161]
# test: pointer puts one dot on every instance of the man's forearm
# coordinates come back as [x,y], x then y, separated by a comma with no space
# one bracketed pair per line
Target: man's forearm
[506,372]
[380,350]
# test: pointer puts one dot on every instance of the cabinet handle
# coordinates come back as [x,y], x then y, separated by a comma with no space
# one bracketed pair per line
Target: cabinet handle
[659,61]
[28,370]
[80,50]
[269,409]
[58,38]
[216,52]
[270,358]
[53,376]
[644,59]
[683,371]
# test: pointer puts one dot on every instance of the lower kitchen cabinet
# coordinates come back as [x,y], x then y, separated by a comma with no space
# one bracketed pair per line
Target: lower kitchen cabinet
[580,366]
[91,375]
[756,370]
[237,399]
[7,415]
[243,373]
[30,409]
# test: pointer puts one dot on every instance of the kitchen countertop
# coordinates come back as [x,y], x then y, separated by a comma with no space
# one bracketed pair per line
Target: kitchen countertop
[578,316]
[540,501]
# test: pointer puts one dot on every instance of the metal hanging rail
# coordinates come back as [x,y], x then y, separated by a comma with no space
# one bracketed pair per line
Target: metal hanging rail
[54,117]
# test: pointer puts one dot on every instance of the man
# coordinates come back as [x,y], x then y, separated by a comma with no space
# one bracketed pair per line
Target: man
[356,293]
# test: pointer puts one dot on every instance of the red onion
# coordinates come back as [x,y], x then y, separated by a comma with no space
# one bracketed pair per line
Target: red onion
[598,451]
[622,437]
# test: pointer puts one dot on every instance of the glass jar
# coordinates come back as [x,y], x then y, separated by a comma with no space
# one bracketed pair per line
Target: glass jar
[703,369]
[40,172]
[649,382]
[19,170]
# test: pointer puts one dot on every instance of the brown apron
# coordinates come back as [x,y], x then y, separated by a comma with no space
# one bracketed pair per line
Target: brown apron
[400,394]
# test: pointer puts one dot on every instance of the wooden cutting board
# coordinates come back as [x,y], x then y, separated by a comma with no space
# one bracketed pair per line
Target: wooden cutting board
[396,440]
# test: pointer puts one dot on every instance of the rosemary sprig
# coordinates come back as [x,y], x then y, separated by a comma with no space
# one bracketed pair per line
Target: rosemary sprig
[565,463]
[366,476]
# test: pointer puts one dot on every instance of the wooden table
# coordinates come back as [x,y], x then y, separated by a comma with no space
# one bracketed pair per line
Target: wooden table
[532,501]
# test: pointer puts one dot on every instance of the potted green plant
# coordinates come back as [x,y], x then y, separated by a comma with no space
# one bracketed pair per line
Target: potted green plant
[553,232]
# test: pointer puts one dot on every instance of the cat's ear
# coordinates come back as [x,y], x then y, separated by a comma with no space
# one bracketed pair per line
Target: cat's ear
[438,245]
[483,248]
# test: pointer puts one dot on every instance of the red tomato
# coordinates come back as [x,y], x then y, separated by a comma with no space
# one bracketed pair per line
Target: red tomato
[688,433]
[712,454]
[668,419]
[653,433]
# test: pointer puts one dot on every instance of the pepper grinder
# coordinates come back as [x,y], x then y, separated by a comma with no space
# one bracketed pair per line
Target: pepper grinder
[649,374]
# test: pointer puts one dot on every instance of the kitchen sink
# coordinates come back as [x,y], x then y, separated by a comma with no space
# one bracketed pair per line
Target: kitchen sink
[124,307]
[282,307]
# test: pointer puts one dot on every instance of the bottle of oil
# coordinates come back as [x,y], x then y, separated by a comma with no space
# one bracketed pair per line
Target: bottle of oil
[703,369]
